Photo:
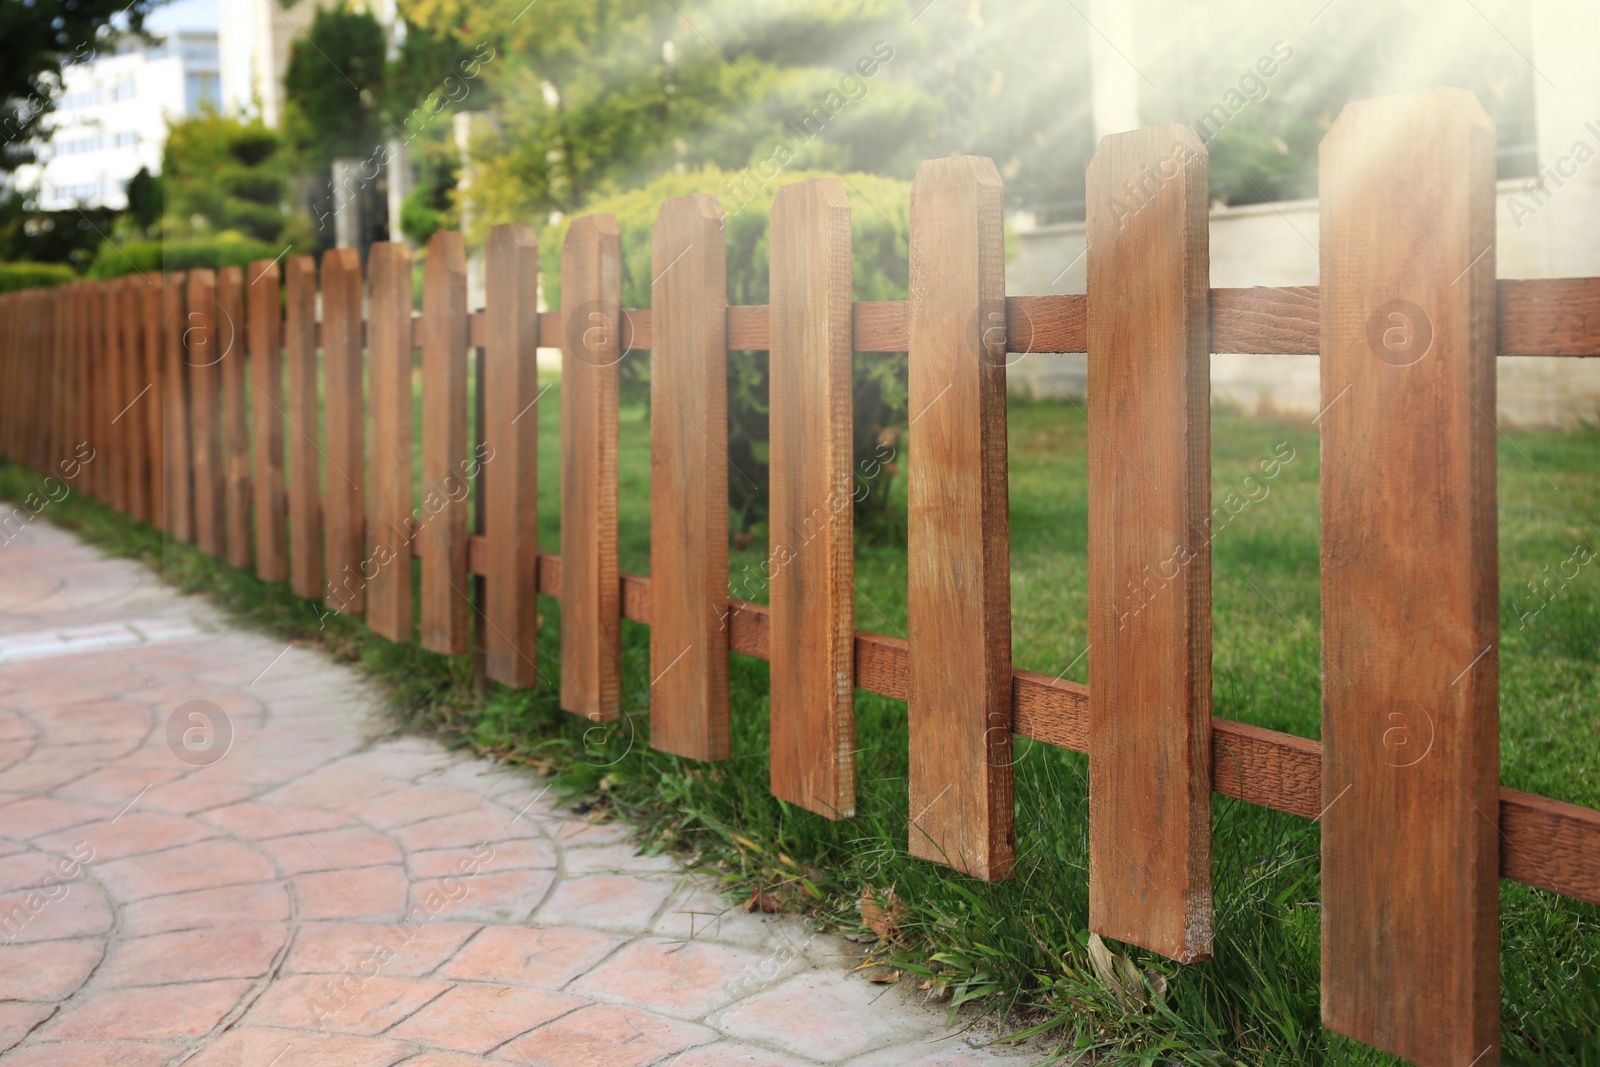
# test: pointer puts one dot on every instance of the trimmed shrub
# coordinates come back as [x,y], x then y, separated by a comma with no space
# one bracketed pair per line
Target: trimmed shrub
[16,276]
[880,211]
[113,261]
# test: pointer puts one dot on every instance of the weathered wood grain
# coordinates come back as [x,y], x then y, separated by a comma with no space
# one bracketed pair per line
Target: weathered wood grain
[178,481]
[446,607]
[1410,720]
[689,481]
[265,334]
[1150,545]
[510,464]
[233,331]
[344,414]
[958,604]
[304,423]
[205,346]
[387,557]
[811,550]
[591,357]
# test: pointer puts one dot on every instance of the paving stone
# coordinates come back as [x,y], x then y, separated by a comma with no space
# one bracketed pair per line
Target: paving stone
[259,820]
[364,893]
[686,979]
[16,1019]
[150,1013]
[604,1036]
[620,903]
[414,804]
[263,902]
[535,956]
[501,897]
[263,1046]
[71,909]
[35,816]
[728,1054]
[96,1054]
[481,825]
[46,970]
[612,859]
[205,865]
[244,951]
[786,1017]
[328,850]
[488,858]
[476,1017]
[404,949]
[130,834]
[342,1004]
[699,914]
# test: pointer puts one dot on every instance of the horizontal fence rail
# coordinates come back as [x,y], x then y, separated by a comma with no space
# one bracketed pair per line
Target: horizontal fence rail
[175,398]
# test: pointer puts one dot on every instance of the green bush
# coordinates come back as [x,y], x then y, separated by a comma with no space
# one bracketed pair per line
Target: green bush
[15,276]
[113,260]
[879,221]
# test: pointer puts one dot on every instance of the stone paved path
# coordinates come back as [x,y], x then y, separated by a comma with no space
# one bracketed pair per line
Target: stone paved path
[319,896]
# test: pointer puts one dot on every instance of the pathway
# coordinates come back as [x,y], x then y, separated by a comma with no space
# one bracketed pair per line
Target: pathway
[212,854]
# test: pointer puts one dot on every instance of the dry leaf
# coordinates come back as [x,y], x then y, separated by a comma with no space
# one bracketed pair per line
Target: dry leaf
[1105,965]
[884,977]
[760,901]
[882,919]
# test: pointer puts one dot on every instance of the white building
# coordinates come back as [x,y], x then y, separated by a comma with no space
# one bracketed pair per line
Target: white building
[111,118]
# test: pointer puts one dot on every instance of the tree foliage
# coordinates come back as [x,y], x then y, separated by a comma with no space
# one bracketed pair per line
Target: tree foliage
[335,87]
[223,174]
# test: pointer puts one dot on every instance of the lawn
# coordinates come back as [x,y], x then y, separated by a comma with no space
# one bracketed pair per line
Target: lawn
[1020,946]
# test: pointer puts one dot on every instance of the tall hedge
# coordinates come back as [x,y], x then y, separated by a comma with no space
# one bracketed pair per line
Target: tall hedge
[879,221]
[16,276]
[114,260]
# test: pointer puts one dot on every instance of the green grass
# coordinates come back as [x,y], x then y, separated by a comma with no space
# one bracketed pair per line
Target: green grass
[1019,948]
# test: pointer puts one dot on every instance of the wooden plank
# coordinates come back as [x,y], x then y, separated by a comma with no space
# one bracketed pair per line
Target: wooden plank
[958,603]
[266,421]
[1265,320]
[152,407]
[1549,317]
[388,532]
[689,480]
[1150,547]
[137,391]
[305,454]
[344,414]
[591,354]
[231,327]
[511,468]
[446,605]
[812,521]
[175,421]
[203,353]
[1410,596]
[106,322]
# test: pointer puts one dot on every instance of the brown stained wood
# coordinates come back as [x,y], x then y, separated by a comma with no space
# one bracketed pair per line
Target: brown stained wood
[591,356]
[178,480]
[1149,545]
[442,544]
[1410,596]
[958,604]
[344,481]
[811,551]
[689,481]
[510,462]
[1265,320]
[1549,317]
[232,329]
[152,408]
[205,346]
[265,334]
[137,391]
[107,324]
[304,488]
[387,552]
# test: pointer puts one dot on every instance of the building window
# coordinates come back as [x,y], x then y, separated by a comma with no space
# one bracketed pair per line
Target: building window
[123,91]
[127,139]
[201,91]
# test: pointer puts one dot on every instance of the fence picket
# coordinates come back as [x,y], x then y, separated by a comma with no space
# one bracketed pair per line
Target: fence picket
[958,605]
[511,470]
[388,537]
[1149,545]
[204,347]
[232,330]
[305,454]
[446,607]
[179,480]
[130,412]
[1410,594]
[151,296]
[812,549]
[689,481]
[105,321]
[266,420]
[344,409]
[591,354]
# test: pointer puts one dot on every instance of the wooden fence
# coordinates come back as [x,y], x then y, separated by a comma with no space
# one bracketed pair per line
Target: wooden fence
[176,382]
